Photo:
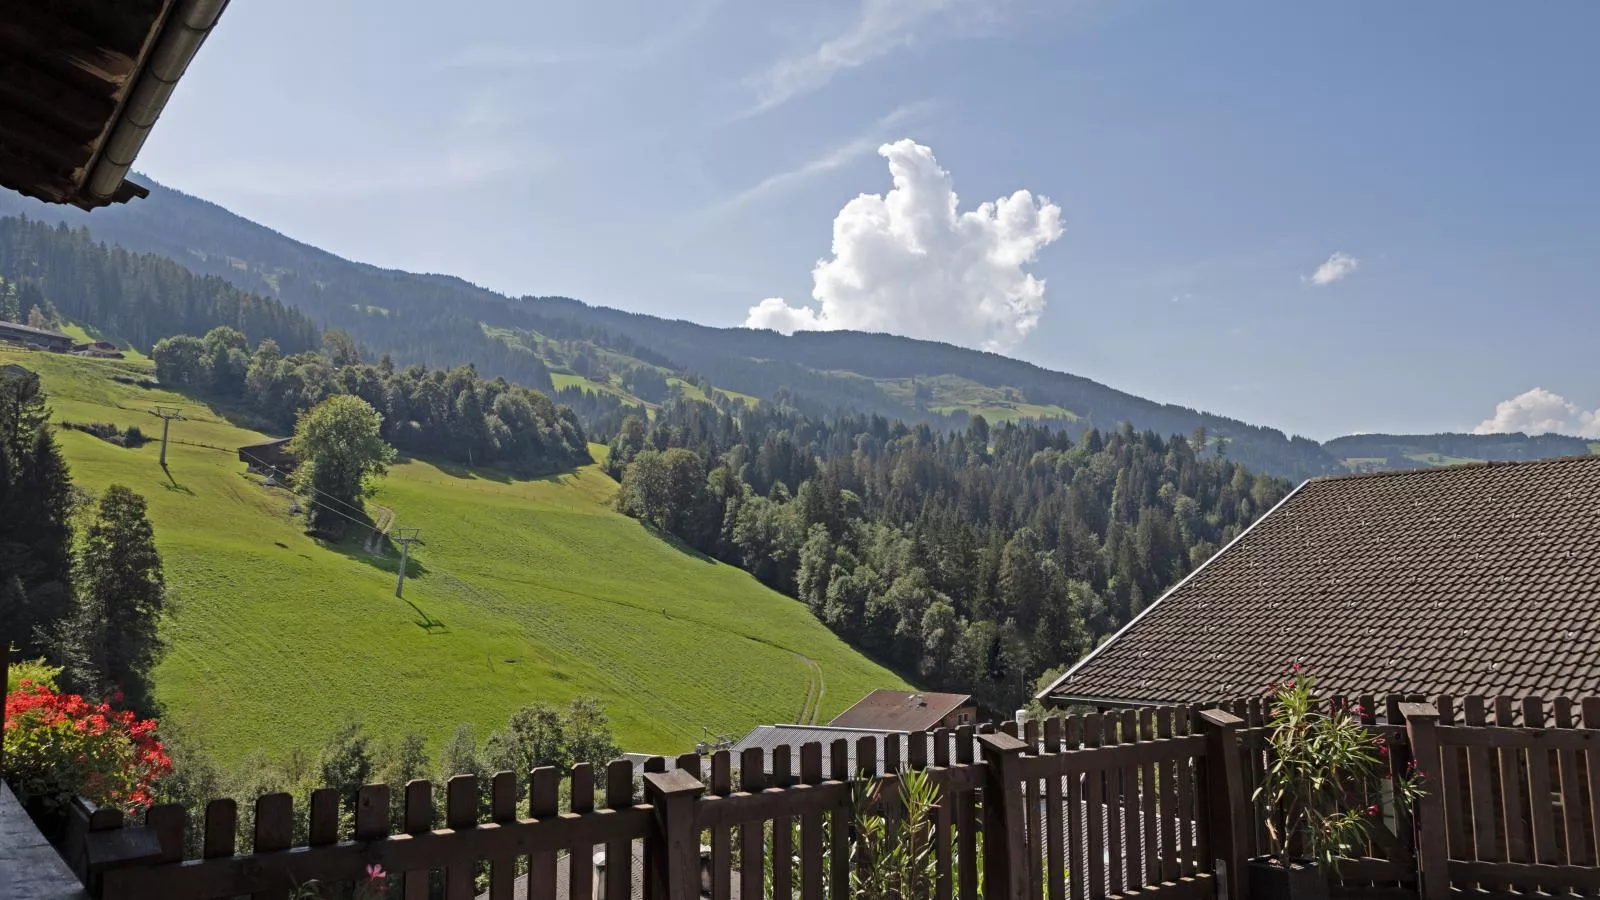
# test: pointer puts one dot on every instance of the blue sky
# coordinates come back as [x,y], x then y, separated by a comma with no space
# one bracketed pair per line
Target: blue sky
[690,160]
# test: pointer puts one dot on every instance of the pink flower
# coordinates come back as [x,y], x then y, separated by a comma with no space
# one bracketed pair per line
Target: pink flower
[1373,810]
[1383,750]
[375,872]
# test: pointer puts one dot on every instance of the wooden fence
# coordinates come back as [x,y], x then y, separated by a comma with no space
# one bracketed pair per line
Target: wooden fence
[1085,807]
[1149,802]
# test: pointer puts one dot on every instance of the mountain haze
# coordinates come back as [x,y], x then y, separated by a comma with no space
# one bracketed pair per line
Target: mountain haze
[441,321]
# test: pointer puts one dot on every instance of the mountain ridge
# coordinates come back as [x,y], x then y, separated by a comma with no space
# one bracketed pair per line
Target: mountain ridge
[441,320]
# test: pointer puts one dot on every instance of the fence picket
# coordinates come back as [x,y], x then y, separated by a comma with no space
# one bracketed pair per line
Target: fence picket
[752,837]
[966,822]
[839,834]
[502,808]
[416,818]
[1094,798]
[619,850]
[461,812]
[1053,833]
[222,824]
[580,859]
[721,838]
[1483,775]
[274,831]
[1076,814]
[1167,779]
[1591,763]
[1453,787]
[1539,807]
[1032,815]
[782,830]
[811,849]
[1110,779]
[1511,787]
[1575,848]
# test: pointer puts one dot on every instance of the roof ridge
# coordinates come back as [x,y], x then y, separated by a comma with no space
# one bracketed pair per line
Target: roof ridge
[1436,470]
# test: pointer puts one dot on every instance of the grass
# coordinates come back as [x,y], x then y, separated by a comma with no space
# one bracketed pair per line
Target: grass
[521,590]
[1439,459]
[951,393]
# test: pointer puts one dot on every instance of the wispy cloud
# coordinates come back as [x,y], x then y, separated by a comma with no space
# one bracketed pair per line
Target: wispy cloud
[879,28]
[1337,268]
[684,24]
[859,147]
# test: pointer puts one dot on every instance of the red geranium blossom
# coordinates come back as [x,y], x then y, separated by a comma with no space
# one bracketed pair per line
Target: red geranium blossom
[61,745]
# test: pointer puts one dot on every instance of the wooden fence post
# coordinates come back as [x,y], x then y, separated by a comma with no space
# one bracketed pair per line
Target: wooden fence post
[673,845]
[1005,847]
[1231,810]
[1433,860]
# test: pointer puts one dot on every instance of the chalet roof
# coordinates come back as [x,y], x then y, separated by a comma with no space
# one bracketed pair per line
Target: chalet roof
[29,329]
[900,710]
[81,84]
[1479,579]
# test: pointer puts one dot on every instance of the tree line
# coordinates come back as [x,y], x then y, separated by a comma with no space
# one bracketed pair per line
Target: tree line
[454,414]
[81,582]
[975,560]
[138,297]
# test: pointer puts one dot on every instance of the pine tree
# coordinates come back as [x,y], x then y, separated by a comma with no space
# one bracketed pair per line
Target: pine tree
[121,597]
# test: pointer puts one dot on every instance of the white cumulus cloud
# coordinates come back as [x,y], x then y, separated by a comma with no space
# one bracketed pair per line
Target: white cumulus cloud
[1539,412]
[1336,268]
[910,263]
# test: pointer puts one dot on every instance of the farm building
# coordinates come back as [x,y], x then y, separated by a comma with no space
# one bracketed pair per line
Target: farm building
[884,710]
[267,455]
[40,338]
[102,349]
[1473,580]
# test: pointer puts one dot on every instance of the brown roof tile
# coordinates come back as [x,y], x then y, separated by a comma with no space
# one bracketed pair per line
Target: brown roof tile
[900,710]
[1481,579]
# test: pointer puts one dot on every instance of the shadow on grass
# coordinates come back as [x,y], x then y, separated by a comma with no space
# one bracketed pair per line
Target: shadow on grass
[426,622]
[173,485]
[489,473]
[677,544]
[354,547]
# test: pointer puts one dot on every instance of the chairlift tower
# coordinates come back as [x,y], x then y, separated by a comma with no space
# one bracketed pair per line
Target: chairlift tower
[166,414]
[405,537]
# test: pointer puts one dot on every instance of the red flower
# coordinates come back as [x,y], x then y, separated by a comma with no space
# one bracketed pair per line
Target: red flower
[1373,810]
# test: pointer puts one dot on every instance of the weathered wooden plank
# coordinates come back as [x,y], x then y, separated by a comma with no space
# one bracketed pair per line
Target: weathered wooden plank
[1569,781]
[222,825]
[839,832]
[752,838]
[1511,786]
[891,753]
[166,820]
[1110,778]
[1527,877]
[1076,820]
[503,809]
[1540,810]
[1452,785]
[416,818]
[274,830]
[1094,799]
[721,838]
[966,821]
[1167,779]
[811,848]
[580,859]
[461,814]
[782,829]
[1033,797]
[619,847]
[1053,832]
[544,802]
[1591,771]
[323,826]
[1482,775]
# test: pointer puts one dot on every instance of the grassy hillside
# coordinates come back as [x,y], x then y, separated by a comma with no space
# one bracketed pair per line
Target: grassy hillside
[520,591]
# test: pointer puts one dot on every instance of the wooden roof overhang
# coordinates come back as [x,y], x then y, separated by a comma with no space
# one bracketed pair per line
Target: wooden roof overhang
[82,83]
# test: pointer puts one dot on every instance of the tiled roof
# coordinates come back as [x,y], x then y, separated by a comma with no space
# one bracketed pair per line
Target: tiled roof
[900,710]
[796,736]
[1481,579]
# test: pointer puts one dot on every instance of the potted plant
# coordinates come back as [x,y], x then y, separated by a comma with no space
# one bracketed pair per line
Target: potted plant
[1323,766]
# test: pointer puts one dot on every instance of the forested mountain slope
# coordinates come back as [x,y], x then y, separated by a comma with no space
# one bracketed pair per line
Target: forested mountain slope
[443,321]
[437,320]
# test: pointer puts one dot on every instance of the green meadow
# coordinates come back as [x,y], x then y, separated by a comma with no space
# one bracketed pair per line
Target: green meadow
[520,591]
